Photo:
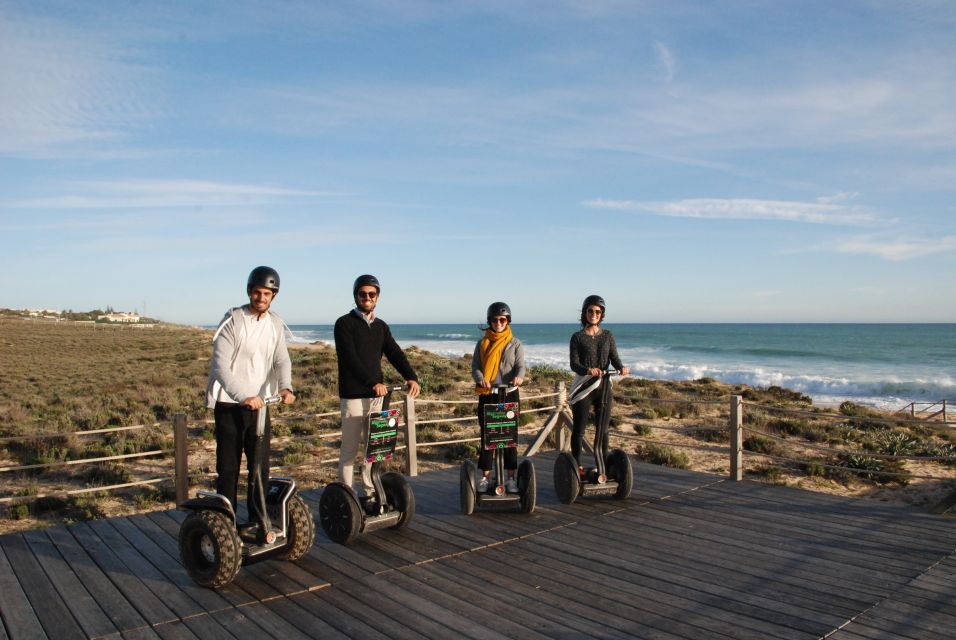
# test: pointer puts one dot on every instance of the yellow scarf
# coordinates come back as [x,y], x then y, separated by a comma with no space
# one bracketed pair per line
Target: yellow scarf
[489,350]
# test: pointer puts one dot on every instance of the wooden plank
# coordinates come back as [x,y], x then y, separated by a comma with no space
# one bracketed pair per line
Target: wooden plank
[416,607]
[558,602]
[679,609]
[304,618]
[181,604]
[460,597]
[356,604]
[749,544]
[123,615]
[71,589]
[168,566]
[16,612]
[54,617]
[150,607]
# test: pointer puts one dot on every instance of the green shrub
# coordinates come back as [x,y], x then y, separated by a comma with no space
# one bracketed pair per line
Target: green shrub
[664,456]
[761,444]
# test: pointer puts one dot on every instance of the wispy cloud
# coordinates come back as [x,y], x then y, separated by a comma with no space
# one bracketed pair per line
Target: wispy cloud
[665,60]
[746,209]
[898,250]
[137,194]
[64,86]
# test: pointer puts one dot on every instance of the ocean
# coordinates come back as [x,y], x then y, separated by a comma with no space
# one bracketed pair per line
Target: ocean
[881,365]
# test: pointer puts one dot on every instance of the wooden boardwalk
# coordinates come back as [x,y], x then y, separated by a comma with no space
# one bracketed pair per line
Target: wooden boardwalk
[688,556]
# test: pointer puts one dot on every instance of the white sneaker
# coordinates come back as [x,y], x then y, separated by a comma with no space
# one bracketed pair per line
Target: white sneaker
[511,486]
[483,484]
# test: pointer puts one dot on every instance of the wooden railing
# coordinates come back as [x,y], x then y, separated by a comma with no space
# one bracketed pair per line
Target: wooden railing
[558,423]
[926,410]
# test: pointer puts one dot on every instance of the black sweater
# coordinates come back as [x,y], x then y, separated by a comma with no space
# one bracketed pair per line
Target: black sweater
[359,347]
[594,352]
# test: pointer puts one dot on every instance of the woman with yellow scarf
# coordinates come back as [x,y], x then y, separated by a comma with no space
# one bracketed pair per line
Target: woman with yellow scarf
[498,360]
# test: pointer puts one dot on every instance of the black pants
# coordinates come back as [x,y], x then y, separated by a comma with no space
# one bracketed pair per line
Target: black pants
[487,457]
[580,412]
[235,433]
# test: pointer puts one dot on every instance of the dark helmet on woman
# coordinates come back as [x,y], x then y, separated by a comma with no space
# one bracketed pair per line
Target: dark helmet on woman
[263,277]
[366,280]
[592,300]
[496,309]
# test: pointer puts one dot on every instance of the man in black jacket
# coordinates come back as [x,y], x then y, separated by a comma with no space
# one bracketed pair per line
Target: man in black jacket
[361,339]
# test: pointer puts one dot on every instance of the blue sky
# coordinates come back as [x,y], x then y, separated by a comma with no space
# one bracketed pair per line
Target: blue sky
[689,161]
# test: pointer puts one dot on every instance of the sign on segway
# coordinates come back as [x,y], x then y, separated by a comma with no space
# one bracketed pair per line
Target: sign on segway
[501,426]
[382,435]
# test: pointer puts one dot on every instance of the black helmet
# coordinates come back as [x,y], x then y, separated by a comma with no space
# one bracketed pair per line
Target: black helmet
[263,277]
[593,299]
[366,280]
[496,309]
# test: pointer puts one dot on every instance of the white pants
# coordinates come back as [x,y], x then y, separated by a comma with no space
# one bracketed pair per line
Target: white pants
[354,434]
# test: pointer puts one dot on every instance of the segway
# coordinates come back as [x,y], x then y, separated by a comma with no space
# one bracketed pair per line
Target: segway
[499,432]
[343,514]
[611,474]
[213,545]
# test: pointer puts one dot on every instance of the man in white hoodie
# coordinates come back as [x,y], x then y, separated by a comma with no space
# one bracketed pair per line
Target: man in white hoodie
[250,362]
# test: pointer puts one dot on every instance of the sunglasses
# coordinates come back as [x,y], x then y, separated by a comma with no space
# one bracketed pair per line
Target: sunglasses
[501,320]
[371,295]
[594,312]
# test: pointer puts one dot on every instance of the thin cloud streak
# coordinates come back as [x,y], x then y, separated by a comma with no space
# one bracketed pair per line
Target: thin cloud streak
[745,209]
[140,194]
[898,250]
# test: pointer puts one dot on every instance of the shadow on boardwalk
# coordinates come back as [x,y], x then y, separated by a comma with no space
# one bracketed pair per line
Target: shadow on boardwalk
[688,556]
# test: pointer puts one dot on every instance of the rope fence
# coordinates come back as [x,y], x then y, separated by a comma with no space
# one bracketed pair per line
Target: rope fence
[732,425]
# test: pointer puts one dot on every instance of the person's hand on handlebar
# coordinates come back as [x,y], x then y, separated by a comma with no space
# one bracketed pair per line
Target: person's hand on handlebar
[412,388]
[625,371]
[518,380]
[380,390]
[484,384]
[287,396]
[594,371]
[253,403]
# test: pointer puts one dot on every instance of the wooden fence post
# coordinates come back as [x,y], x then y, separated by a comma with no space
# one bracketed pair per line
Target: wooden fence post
[411,438]
[736,438]
[182,458]
[563,444]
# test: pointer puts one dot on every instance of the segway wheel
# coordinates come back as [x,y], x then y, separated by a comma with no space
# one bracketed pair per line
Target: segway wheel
[619,468]
[466,487]
[527,486]
[210,548]
[567,482]
[301,530]
[398,493]
[340,513]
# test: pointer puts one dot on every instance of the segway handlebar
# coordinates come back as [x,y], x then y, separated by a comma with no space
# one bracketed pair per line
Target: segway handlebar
[497,388]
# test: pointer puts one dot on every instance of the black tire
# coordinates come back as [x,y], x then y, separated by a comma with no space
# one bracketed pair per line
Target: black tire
[466,487]
[398,493]
[209,548]
[567,482]
[301,532]
[527,486]
[619,468]
[340,513]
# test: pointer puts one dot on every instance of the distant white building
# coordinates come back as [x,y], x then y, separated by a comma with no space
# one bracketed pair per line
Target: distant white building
[119,316]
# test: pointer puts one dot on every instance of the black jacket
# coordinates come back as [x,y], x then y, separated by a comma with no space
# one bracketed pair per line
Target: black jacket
[360,347]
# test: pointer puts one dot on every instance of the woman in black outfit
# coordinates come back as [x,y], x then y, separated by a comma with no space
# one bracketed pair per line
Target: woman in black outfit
[592,349]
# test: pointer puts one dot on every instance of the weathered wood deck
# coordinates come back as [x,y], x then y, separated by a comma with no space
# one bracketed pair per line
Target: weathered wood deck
[688,556]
